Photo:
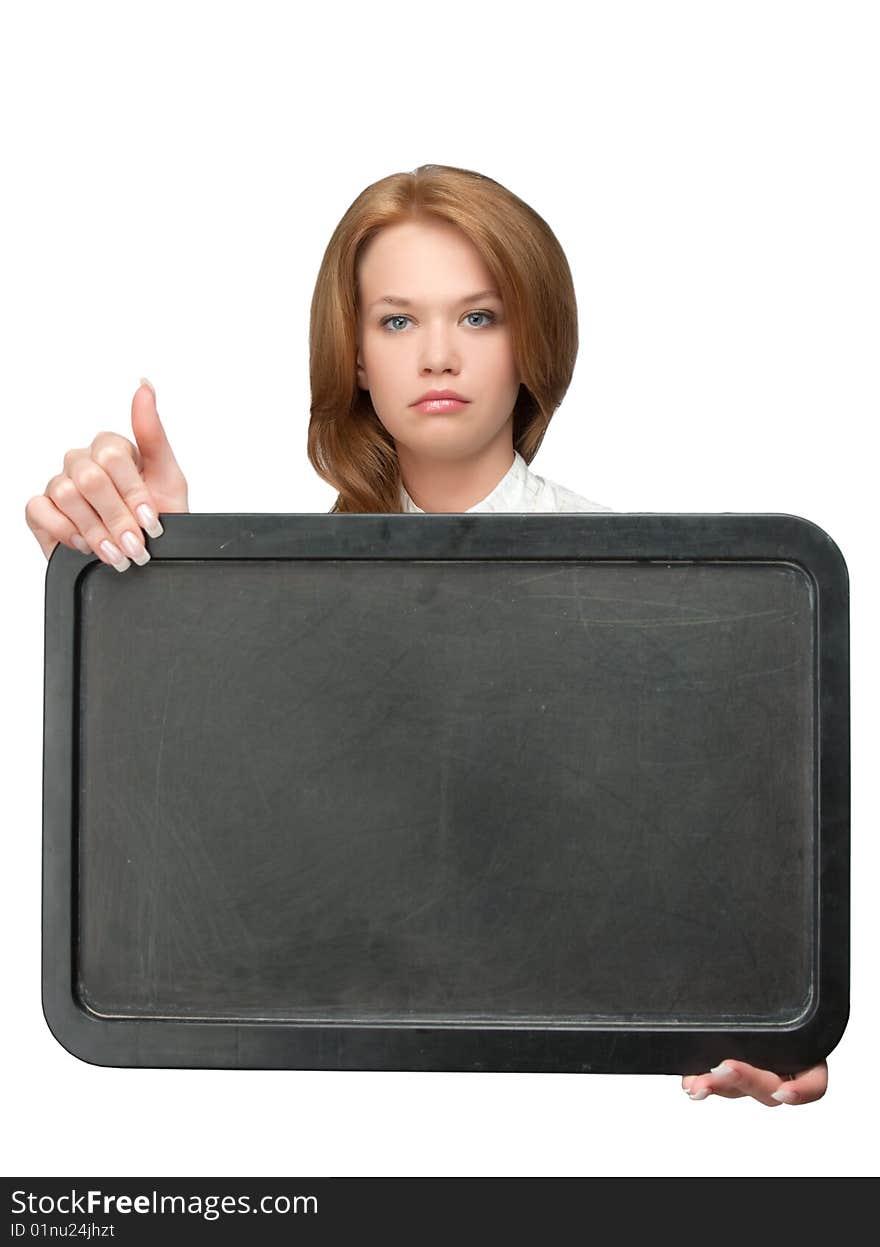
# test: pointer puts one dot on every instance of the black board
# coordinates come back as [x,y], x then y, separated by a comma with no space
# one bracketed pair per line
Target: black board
[559,792]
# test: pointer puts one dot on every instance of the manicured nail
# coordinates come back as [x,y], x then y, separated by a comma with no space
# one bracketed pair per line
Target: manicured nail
[144,381]
[81,545]
[701,1094]
[116,557]
[723,1070]
[784,1096]
[135,548]
[150,520]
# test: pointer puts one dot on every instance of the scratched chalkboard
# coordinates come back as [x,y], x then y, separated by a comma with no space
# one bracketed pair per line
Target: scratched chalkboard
[450,791]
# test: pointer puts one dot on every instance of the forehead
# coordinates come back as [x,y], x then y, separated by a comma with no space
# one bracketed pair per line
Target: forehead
[416,258]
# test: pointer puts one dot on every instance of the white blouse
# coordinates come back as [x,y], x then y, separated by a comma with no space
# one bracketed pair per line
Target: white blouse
[521,489]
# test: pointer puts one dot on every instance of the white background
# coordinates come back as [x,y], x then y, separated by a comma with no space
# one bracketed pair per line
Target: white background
[172,174]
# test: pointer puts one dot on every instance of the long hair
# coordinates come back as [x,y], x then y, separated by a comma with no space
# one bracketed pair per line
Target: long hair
[348,446]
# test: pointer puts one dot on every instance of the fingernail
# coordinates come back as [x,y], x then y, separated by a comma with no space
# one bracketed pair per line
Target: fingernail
[116,557]
[784,1096]
[135,548]
[150,520]
[144,381]
[701,1094]
[81,545]
[723,1070]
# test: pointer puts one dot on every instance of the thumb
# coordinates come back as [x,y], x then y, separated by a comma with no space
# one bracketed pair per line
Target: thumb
[159,467]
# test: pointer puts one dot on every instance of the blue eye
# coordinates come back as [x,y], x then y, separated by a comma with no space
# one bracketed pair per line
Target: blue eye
[387,319]
[390,318]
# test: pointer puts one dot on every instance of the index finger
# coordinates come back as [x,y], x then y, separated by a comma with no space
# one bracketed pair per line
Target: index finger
[806,1087]
[114,454]
[734,1079]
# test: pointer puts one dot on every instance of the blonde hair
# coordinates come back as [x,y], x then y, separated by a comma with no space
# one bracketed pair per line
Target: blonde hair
[347,444]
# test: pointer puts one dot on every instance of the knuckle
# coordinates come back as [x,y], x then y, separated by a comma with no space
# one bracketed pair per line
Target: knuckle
[88,476]
[62,490]
[109,455]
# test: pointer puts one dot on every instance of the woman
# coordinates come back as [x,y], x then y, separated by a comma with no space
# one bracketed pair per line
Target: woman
[416,260]
[440,280]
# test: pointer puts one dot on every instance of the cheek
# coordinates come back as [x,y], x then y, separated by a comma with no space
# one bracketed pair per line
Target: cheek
[503,362]
[386,360]
[372,363]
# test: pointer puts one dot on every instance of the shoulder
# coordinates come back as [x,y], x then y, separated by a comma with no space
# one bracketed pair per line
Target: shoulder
[548,495]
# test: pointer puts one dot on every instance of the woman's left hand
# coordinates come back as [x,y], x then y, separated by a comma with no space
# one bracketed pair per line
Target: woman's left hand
[733,1079]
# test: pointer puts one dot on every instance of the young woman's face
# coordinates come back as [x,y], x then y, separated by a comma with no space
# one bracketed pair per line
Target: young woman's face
[451,335]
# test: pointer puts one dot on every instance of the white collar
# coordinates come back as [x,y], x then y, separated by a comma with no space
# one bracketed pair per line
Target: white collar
[510,489]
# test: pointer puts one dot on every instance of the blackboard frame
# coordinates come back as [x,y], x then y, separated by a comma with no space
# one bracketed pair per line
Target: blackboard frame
[639,537]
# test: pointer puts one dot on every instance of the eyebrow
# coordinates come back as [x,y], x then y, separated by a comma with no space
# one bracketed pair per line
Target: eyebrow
[401,302]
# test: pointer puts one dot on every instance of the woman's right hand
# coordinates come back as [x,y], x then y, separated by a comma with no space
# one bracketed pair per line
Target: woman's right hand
[97,496]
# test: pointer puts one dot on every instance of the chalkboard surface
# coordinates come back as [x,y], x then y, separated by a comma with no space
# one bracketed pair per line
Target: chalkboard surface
[450,791]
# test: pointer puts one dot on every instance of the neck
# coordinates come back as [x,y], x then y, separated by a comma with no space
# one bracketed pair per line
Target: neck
[455,484]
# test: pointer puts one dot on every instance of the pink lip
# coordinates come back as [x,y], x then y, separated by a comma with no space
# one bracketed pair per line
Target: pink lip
[431,395]
[439,405]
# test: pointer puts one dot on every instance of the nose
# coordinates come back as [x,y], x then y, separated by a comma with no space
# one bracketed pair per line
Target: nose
[439,353]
